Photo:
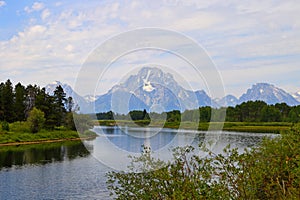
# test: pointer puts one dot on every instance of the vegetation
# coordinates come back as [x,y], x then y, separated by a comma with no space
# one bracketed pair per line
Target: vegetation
[31,114]
[36,120]
[269,171]
[251,111]
[251,116]
[21,133]
[254,127]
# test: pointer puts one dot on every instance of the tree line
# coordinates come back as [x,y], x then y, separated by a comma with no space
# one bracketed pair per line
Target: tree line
[251,111]
[33,104]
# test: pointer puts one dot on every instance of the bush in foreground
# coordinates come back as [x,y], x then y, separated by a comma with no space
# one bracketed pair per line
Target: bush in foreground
[269,171]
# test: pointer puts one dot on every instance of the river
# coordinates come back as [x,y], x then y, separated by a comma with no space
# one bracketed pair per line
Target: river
[76,170]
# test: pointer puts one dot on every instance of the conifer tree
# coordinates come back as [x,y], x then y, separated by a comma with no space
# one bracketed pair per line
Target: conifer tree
[19,104]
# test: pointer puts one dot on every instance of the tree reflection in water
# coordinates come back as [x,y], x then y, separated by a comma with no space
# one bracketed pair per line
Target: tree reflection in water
[42,153]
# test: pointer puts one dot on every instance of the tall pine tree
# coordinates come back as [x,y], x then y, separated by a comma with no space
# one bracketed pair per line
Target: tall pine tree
[20,98]
[59,105]
[1,102]
[7,100]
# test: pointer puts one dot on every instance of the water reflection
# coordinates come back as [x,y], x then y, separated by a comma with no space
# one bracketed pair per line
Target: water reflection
[42,153]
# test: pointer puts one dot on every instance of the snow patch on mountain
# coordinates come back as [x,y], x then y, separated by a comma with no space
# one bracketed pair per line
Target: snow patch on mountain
[151,87]
[297,96]
[148,87]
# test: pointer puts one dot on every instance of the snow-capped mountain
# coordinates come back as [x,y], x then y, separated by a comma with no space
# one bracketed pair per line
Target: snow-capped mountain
[84,106]
[157,91]
[228,100]
[50,88]
[91,98]
[150,89]
[297,96]
[269,94]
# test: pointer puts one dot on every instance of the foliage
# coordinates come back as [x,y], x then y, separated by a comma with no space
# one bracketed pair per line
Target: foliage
[138,115]
[269,171]
[5,126]
[19,104]
[16,103]
[38,137]
[7,99]
[59,110]
[36,120]
[251,111]
[69,121]
[82,122]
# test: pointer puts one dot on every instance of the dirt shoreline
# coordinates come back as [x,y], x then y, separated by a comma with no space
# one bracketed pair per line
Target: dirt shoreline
[45,141]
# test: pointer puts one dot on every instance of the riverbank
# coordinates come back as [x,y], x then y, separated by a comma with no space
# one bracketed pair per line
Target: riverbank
[21,138]
[252,127]
[46,141]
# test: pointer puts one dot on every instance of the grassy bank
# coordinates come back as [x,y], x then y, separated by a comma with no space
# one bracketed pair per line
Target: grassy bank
[19,134]
[254,127]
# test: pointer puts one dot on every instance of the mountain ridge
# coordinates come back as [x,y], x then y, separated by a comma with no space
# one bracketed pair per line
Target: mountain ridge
[157,91]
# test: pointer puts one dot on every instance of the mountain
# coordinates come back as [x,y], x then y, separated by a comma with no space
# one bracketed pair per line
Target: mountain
[91,98]
[84,106]
[157,91]
[228,100]
[297,96]
[204,100]
[153,90]
[269,94]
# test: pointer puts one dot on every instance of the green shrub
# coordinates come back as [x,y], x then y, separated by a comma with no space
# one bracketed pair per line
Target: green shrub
[20,127]
[5,126]
[36,120]
[269,171]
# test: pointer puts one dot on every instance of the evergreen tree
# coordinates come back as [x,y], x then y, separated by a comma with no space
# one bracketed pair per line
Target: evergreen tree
[284,110]
[20,97]
[270,114]
[7,99]
[30,98]
[59,105]
[1,102]
[70,104]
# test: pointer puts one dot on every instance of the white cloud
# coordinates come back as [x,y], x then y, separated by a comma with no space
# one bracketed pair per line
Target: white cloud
[58,4]
[69,48]
[45,14]
[243,38]
[197,21]
[2,3]
[36,6]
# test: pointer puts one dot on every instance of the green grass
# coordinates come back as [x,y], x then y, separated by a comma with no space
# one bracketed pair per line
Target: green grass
[23,148]
[254,127]
[20,132]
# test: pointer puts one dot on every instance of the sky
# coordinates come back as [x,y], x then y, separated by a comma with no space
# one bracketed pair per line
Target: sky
[247,41]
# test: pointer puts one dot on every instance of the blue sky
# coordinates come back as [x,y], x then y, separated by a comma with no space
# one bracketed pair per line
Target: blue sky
[249,42]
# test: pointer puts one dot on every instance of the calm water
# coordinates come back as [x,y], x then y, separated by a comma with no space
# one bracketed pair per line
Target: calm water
[72,170]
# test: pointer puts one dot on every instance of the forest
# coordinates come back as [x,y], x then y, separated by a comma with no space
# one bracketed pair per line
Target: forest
[31,104]
[251,111]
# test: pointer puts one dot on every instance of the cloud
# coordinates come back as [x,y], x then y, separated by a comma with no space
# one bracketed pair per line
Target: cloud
[2,3]
[244,39]
[45,14]
[69,48]
[196,22]
[36,6]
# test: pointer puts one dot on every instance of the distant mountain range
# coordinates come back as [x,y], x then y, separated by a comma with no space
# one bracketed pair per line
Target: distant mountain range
[154,90]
